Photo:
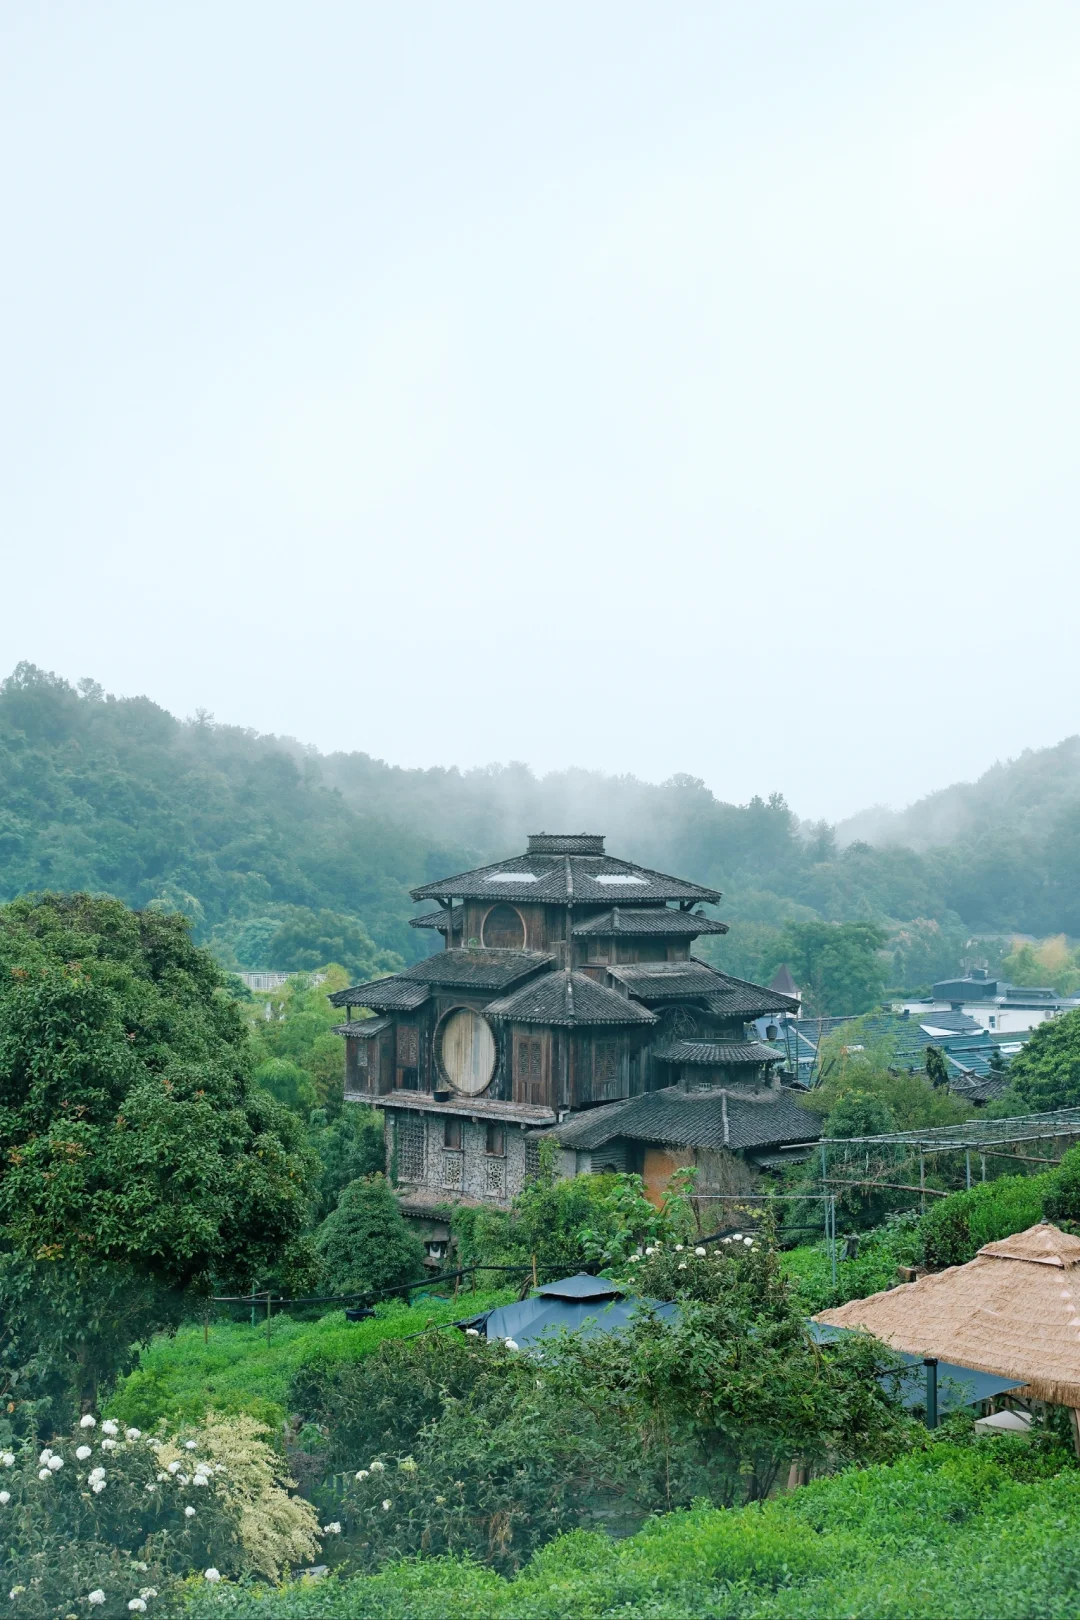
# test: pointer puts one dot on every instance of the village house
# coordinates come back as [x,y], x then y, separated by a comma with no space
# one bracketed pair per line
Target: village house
[566,1005]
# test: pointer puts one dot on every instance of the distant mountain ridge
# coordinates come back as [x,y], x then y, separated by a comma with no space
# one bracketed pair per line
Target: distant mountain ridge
[1023,796]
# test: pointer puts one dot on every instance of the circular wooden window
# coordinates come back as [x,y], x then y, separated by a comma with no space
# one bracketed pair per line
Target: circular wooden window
[466,1048]
[504,929]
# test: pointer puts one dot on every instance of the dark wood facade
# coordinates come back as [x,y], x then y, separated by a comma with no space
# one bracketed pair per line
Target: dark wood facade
[566,983]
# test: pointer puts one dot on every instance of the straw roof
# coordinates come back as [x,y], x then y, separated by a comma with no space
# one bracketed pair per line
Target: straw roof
[1014,1310]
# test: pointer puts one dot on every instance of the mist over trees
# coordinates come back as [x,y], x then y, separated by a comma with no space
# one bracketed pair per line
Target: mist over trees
[281,857]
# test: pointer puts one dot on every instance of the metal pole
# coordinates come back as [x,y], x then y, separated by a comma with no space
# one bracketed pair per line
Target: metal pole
[930,1363]
[268,1316]
[982,1156]
[967,1169]
[922,1184]
[832,1245]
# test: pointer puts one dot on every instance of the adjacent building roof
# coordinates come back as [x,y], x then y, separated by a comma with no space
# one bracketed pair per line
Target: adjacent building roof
[717,1118]
[463,970]
[651,920]
[717,1052]
[1010,1311]
[439,919]
[566,869]
[782,982]
[568,999]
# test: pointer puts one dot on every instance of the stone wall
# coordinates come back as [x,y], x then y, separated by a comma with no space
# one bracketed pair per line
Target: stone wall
[417,1154]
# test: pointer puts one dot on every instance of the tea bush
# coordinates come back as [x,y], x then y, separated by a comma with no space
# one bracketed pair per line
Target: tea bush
[976,1532]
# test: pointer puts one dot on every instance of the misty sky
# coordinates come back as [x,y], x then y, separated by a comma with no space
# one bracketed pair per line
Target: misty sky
[658,388]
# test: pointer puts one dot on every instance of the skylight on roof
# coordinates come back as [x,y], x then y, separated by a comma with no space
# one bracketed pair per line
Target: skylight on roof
[618,877]
[511,877]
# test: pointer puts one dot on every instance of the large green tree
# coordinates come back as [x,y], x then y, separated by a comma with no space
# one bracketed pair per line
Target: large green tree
[838,966]
[138,1160]
[1045,1073]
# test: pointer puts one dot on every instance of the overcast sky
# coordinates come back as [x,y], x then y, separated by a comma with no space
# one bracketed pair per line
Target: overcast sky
[657,388]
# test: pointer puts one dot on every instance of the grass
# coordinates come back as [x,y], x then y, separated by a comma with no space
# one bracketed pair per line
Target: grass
[975,1532]
[181,1378]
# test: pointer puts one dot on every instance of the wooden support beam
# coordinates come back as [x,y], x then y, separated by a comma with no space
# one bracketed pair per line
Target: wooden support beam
[891,1186]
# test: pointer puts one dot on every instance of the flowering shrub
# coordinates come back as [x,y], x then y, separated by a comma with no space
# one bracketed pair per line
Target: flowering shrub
[108,1519]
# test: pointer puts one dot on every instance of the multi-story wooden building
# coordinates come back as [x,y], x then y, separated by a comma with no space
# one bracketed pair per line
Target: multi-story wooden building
[565,1003]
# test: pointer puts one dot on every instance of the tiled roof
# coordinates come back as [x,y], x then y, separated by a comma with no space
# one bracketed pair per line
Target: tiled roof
[473,970]
[717,1118]
[782,981]
[714,1052]
[570,999]
[393,994]
[668,981]
[362,1029]
[437,919]
[478,969]
[564,879]
[653,920]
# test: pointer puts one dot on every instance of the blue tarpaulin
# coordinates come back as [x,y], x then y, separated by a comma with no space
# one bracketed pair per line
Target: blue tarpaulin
[581,1304]
[957,1386]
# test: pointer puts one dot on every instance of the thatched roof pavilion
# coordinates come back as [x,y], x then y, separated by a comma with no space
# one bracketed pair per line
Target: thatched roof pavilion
[1014,1310]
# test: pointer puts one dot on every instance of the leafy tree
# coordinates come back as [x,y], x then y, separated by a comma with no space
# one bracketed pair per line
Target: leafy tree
[289,1083]
[137,1158]
[365,1244]
[859,1113]
[569,1223]
[294,1024]
[1046,1071]
[838,966]
[350,1147]
[937,1069]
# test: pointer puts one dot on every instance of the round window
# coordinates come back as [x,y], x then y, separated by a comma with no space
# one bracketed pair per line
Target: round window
[504,929]
[467,1051]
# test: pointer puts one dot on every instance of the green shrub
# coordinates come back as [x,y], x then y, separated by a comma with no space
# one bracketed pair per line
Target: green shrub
[871,1269]
[971,1532]
[570,1223]
[130,1517]
[289,1083]
[1061,1201]
[365,1244]
[955,1229]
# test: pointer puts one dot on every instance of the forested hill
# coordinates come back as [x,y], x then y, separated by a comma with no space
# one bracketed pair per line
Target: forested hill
[284,857]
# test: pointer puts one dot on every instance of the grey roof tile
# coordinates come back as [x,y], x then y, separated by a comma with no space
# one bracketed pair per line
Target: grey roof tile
[716,1052]
[568,999]
[716,1118]
[564,879]
[650,920]
[473,970]
[668,981]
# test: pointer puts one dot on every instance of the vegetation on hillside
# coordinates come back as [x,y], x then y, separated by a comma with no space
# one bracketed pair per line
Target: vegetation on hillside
[284,858]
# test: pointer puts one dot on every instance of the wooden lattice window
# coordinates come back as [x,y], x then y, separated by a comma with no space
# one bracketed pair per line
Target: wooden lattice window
[529,1070]
[607,1071]
[532,1160]
[410,1149]
[408,1045]
[495,1143]
[494,1179]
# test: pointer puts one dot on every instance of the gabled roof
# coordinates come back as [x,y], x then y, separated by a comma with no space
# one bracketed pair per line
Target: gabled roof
[717,1118]
[782,981]
[569,999]
[564,869]
[471,970]
[650,920]
[716,1052]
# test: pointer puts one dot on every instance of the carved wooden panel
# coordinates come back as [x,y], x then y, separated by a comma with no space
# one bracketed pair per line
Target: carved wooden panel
[529,1084]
